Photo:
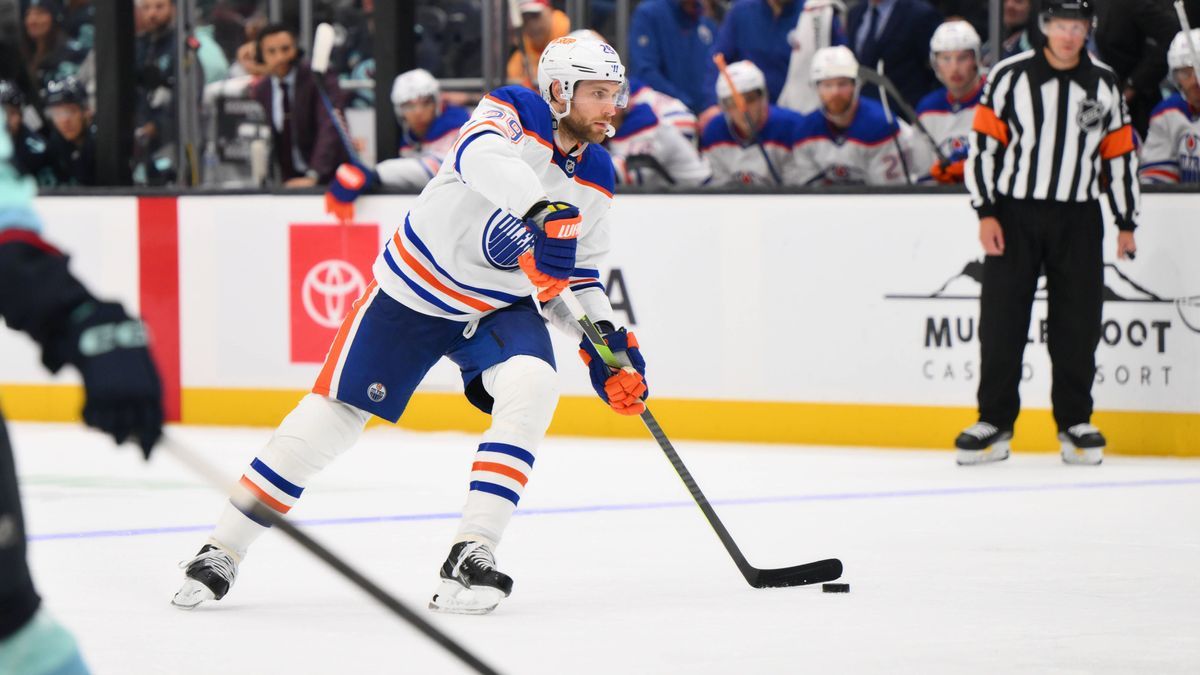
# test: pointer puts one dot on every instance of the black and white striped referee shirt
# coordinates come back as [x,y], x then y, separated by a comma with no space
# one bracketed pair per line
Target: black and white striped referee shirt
[1054,135]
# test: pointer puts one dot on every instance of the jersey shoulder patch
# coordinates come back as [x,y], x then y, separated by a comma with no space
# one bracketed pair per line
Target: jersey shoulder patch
[781,127]
[934,102]
[532,113]
[1174,102]
[812,126]
[871,125]
[595,169]
[716,131]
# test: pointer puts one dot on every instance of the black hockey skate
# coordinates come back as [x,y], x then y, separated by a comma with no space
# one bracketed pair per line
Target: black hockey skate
[471,584]
[1082,444]
[209,576]
[981,443]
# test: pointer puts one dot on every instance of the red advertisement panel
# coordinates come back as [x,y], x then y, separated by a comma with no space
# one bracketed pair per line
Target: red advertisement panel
[330,267]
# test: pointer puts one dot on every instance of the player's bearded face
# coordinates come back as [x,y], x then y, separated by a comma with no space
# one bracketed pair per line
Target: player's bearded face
[592,109]
[837,95]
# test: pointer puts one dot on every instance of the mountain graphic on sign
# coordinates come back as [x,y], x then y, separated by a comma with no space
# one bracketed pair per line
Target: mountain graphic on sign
[965,285]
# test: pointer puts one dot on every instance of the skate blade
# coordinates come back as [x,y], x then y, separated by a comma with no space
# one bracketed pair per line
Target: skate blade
[452,597]
[997,452]
[191,594]
[1080,456]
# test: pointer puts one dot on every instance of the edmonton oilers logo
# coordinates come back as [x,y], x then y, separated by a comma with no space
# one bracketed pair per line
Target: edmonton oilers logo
[504,240]
[377,392]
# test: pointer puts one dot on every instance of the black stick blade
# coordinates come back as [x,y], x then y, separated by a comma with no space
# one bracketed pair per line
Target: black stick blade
[800,575]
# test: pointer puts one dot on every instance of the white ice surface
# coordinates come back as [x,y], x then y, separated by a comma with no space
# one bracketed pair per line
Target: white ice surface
[1029,566]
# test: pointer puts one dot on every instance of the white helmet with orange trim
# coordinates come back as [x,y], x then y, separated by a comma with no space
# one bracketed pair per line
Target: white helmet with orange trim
[569,61]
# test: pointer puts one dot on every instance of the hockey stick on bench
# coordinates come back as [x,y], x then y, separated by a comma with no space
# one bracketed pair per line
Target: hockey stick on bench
[799,575]
[198,464]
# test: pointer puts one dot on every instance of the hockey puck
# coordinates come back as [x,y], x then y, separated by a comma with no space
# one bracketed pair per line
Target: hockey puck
[835,588]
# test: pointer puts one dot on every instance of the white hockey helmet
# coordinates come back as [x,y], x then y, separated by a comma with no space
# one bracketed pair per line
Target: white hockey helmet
[587,34]
[955,36]
[746,78]
[569,61]
[1180,54]
[833,62]
[413,85]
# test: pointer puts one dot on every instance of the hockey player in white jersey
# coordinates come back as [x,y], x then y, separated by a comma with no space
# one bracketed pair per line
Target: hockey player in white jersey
[753,147]
[522,199]
[428,128]
[1171,153]
[648,152]
[850,139]
[947,113]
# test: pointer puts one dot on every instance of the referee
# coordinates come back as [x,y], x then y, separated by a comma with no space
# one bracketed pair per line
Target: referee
[1051,133]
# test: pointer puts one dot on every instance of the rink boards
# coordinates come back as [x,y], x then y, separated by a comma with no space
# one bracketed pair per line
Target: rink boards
[832,319]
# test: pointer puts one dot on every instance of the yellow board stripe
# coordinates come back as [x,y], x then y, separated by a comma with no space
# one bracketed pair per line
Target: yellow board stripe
[1129,433]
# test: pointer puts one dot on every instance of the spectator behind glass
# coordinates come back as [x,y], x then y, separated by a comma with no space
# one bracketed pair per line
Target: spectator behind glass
[46,50]
[896,32]
[1132,37]
[154,63]
[763,32]
[307,147]
[670,49]
[1014,18]
[30,156]
[72,139]
[79,23]
[540,26]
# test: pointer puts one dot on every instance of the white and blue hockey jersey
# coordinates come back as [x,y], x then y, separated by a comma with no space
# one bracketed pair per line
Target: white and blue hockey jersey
[1171,153]
[421,158]
[455,255]
[872,151]
[643,136]
[735,161]
[669,109]
[949,121]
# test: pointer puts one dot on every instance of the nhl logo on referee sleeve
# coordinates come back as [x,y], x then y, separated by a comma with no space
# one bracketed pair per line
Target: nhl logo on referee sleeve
[1091,115]
[377,392]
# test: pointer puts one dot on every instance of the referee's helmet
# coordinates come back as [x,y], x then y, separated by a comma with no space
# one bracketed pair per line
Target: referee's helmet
[1066,9]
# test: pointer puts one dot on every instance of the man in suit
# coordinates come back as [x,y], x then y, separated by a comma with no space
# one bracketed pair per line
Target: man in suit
[307,147]
[896,32]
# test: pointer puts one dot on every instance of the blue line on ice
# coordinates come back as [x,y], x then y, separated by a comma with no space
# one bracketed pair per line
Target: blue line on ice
[649,506]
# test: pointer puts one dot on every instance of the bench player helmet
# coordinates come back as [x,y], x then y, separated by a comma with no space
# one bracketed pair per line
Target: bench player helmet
[413,85]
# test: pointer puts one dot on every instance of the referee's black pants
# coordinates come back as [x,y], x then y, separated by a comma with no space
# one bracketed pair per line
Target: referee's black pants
[18,600]
[1066,241]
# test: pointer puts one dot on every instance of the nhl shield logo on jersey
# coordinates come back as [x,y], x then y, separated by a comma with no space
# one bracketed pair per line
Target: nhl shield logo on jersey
[504,240]
[1091,114]
[377,392]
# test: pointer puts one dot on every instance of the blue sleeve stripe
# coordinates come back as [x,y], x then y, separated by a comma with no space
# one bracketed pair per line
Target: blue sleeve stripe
[288,488]
[411,235]
[249,513]
[424,294]
[591,284]
[498,490]
[510,450]
[463,146]
[584,272]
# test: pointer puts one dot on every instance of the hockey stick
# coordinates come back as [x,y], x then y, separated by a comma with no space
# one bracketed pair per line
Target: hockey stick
[884,83]
[198,464]
[887,111]
[740,104]
[799,575]
[1187,31]
[322,47]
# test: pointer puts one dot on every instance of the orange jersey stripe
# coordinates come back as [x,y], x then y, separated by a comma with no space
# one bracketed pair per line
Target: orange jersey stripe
[263,496]
[501,469]
[592,185]
[325,379]
[986,122]
[433,281]
[1117,143]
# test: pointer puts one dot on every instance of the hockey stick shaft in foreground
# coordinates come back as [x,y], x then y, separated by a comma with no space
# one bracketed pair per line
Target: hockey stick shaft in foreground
[322,47]
[885,83]
[799,575]
[195,462]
